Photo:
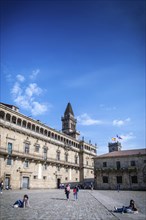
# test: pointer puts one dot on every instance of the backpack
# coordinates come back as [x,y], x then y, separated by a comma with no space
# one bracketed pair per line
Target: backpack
[74,190]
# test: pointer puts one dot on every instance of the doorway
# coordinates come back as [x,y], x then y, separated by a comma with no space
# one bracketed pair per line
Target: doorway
[7,182]
[25,182]
[58,183]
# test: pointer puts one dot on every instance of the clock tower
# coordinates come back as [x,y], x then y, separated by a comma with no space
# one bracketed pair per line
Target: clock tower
[69,122]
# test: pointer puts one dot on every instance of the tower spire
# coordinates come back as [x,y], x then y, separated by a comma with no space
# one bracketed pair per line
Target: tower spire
[69,122]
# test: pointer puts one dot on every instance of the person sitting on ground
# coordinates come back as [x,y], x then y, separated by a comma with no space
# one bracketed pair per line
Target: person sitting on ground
[129,209]
[22,203]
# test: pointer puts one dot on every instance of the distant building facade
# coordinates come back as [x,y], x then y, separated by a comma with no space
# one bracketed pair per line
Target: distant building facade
[33,155]
[124,169]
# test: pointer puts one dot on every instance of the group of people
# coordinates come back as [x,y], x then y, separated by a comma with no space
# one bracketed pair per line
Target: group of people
[75,192]
[25,201]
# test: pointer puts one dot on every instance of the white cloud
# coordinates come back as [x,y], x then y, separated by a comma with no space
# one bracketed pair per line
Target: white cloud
[23,101]
[38,108]
[33,89]
[85,119]
[127,137]
[16,90]
[34,74]
[25,96]
[20,78]
[120,122]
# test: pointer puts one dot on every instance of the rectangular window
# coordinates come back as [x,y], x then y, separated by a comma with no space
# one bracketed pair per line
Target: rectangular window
[45,167]
[104,164]
[66,157]
[66,170]
[133,163]
[9,148]
[9,161]
[105,179]
[44,177]
[26,164]
[35,177]
[58,168]
[45,153]
[134,179]
[26,148]
[118,165]
[37,147]
[76,160]
[119,179]
[58,155]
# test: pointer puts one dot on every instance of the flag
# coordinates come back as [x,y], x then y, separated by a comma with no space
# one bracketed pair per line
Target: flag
[119,137]
[113,139]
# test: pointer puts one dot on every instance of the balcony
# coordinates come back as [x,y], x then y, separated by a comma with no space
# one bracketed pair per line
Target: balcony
[114,169]
[37,158]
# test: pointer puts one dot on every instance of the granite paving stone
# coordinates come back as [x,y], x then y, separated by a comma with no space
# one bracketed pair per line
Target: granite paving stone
[51,204]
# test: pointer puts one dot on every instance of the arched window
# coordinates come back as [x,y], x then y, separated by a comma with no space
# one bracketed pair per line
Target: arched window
[41,130]
[14,119]
[24,124]
[45,132]
[19,121]
[49,134]
[8,117]
[29,125]
[2,115]
[37,129]
[33,127]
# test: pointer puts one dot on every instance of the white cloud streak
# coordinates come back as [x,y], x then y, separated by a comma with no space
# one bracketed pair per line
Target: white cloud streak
[120,123]
[127,137]
[85,119]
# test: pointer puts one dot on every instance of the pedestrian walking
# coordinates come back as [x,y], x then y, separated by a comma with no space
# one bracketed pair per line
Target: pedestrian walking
[75,192]
[1,187]
[67,191]
[91,186]
[118,187]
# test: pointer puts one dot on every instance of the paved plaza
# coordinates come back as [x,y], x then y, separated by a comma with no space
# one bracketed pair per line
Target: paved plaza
[52,205]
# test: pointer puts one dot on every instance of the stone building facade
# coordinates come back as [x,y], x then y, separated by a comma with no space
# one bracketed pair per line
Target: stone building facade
[121,168]
[33,155]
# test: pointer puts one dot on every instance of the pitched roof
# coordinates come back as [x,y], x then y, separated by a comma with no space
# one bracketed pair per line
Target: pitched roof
[69,110]
[10,106]
[123,153]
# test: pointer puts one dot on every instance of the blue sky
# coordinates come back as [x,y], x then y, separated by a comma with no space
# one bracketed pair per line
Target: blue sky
[88,53]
